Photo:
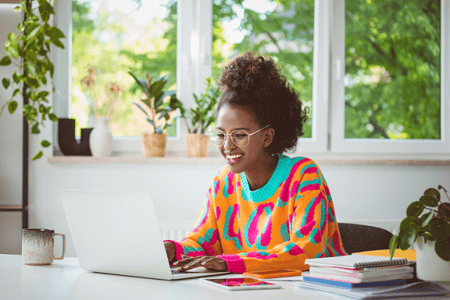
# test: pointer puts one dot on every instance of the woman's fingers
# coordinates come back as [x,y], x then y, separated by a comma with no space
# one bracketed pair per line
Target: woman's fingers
[208,262]
[190,264]
[215,263]
[185,260]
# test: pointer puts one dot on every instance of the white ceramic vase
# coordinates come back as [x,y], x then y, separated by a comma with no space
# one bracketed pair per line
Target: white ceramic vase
[429,265]
[100,140]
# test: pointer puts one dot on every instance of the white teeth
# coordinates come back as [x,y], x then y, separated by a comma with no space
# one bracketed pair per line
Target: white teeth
[234,156]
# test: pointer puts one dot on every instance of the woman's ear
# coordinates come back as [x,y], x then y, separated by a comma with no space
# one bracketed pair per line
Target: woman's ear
[269,134]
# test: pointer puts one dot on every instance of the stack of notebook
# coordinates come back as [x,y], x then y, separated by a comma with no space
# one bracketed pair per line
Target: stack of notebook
[368,276]
[358,271]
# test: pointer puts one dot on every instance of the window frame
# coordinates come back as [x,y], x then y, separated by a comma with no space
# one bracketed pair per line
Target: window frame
[194,65]
[340,144]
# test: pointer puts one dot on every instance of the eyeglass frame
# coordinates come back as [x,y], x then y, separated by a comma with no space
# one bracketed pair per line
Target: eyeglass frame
[229,134]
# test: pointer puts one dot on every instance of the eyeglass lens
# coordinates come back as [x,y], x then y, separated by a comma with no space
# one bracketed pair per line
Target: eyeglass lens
[239,137]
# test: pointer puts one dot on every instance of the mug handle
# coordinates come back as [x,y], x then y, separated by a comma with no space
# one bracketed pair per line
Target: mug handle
[64,245]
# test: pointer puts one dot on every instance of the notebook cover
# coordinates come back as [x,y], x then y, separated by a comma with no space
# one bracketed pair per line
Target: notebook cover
[360,273]
[352,279]
[356,261]
[350,285]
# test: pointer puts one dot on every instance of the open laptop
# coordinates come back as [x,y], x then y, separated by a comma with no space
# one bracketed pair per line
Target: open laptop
[118,233]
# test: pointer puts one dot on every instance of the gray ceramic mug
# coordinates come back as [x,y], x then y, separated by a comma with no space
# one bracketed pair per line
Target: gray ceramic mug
[38,246]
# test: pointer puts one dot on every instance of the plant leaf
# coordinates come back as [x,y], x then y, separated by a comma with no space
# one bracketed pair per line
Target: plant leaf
[157,86]
[440,229]
[440,187]
[429,201]
[35,129]
[444,209]
[54,33]
[392,246]
[406,238]
[45,143]
[16,77]
[407,223]
[140,82]
[6,61]
[138,105]
[442,249]
[426,218]
[6,82]
[37,156]
[12,106]
[53,117]
[57,43]
[433,192]
[45,10]
[34,28]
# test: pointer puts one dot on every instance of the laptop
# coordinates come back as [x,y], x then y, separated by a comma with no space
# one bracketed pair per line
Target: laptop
[118,233]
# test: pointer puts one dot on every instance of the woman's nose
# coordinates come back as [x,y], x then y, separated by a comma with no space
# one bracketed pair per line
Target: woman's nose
[228,144]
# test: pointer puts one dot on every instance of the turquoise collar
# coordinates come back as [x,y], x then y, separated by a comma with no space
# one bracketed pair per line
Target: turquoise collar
[268,190]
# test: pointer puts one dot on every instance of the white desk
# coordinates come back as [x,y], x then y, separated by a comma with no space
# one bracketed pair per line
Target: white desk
[65,280]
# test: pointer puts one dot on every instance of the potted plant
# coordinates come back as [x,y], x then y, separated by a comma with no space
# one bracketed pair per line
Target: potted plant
[30,52]
[199,118]
[427,225]
[159,108]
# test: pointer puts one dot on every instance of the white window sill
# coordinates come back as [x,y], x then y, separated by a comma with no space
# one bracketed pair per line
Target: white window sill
[214,157]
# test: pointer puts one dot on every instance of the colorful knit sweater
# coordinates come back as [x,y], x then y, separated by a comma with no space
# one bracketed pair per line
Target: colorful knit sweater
[278,226]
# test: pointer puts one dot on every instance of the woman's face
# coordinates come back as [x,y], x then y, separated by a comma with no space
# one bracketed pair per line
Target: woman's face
[250,157]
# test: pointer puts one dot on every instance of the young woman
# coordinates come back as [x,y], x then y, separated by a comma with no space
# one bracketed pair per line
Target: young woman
[263,210]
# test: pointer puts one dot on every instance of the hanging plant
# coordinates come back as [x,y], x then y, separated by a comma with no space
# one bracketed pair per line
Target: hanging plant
[30,52]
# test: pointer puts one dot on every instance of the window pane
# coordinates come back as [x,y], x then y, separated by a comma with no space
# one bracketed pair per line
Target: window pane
[282,29]
[111,38]
[392,79]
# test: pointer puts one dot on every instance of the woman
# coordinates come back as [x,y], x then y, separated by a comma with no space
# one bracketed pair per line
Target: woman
[264,210]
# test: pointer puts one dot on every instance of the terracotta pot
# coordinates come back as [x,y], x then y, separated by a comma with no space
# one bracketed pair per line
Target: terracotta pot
[197,144]
[153,144]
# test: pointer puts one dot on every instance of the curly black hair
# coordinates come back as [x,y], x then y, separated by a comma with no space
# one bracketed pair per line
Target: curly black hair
[256,83]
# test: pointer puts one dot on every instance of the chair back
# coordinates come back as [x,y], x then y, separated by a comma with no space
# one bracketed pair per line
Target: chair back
[358,238]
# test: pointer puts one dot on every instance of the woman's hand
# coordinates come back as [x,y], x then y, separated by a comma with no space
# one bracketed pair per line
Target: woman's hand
[170,250]
[209,262]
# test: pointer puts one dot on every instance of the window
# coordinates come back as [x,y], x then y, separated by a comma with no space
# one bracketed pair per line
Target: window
[374,73]
[390,76]
[166,37]
[110,38]
[286,31]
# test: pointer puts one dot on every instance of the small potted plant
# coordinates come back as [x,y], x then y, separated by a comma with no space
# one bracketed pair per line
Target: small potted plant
[199,118]
[159,108]
[427,224]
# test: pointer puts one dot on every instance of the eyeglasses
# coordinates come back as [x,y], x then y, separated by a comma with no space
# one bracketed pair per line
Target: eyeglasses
[240,138]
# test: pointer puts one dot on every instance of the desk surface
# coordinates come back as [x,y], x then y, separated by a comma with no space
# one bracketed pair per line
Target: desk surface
[66,280]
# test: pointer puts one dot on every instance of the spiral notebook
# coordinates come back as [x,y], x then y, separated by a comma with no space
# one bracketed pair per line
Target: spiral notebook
[356,261]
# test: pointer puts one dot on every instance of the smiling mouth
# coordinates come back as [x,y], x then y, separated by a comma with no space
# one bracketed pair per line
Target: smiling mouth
[232,159]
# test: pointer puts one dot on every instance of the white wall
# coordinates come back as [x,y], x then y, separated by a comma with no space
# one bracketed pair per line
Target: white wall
[370,194]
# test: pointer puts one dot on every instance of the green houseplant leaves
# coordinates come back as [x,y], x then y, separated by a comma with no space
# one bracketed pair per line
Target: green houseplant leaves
[429,217]
[30,52]
[199,118]
[153,105]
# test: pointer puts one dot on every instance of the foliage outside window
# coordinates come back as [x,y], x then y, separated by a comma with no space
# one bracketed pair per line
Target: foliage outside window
[392,63]
[115,37]
[281,29]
